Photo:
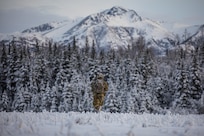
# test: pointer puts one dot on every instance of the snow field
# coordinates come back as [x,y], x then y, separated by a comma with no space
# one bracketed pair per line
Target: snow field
[99,124]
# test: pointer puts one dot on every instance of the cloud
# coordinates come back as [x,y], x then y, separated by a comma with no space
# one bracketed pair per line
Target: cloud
[180,25]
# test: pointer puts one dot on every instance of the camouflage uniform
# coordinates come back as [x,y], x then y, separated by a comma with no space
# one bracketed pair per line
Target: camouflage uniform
[99,91]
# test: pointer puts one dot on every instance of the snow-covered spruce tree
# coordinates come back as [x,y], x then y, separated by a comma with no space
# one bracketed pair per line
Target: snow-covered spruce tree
[77,90]
[145,65]
[154,85]
[109,68]
[36,102]
[4,102]
[55,65]
[106,65]
[130,102]
[27,96]
[135,85]
[102,57]
[93,51]
[69,97]
[121,88]
[55,70]
[182,96]
[94,68]
[3,70]
[93,64]
[111,102]
[87,100]
[13,72]
[163,92]
[24,84]
[52,64]
[201,53]
[22,101]
[66,98]
[22,81]
[135,99]
[13,77]
[18,103]
[195,79]
[164,83]
[79,65]
[56,92]
[54,103]
[46,99]
[63,76]
[75,59]
[85,58]
[40,73]
[87,48]
[85,96]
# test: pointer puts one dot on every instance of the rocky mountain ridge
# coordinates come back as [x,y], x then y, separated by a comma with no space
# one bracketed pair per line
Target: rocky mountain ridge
[113,28]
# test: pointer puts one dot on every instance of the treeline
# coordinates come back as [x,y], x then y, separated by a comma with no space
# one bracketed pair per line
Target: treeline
[57,78]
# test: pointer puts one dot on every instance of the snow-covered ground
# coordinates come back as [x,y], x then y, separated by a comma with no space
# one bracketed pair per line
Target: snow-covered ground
[99,124]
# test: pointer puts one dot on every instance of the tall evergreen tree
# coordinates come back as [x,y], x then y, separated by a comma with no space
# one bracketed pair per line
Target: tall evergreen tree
[4,102]
[66,98]
[13,73]
[3,71]
[111,102]
[46,98]
[93,50]
[54,103]
[182,90]
[195,80]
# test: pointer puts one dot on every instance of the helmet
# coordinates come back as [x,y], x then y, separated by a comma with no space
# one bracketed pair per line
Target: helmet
[100,76]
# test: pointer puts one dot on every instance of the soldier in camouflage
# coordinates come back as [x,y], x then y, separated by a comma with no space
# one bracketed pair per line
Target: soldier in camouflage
[99,89]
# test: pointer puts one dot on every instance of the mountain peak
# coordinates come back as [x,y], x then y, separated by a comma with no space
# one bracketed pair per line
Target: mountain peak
[116,10]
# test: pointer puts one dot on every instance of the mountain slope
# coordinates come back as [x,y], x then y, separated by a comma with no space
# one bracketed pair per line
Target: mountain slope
[42,34]
[54,30]
[118,27]
[29,39]
[112,28]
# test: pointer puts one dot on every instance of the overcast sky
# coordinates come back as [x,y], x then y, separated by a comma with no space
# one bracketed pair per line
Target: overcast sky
[17,15]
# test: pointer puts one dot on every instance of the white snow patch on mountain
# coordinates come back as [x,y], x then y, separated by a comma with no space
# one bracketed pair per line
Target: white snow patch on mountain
[57,33]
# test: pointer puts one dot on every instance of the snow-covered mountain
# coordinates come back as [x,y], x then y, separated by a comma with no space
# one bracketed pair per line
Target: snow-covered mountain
[42,34]
[199,33]
[112,28]
[117,28]
[24,38]
[54,30]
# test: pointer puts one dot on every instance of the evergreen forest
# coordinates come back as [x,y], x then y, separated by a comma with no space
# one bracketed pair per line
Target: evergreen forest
[57,78]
